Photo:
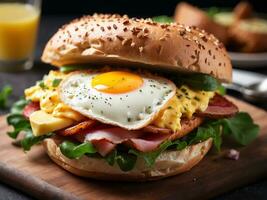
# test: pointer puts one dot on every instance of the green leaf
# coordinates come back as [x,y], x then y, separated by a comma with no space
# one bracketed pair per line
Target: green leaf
[217,137]
[56,82]
[197,81]
[111,157]
[4,94]
[75,151]
[179,145]
[19,124]
[221,90]
[212,11]
[205,132]
[29,139]
[18,106]
[150,157]
[163,19]
[125,161]
[241,127]
[66,69]
[42,85]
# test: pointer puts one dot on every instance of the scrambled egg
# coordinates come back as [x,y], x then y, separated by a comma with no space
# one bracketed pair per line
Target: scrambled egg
[185,103]
[46,93]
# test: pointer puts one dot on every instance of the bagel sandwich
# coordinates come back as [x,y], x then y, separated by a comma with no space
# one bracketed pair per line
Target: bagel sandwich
[130,99]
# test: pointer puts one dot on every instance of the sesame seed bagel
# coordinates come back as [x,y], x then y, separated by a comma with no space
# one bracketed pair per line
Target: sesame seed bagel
[169,163]
[119,40]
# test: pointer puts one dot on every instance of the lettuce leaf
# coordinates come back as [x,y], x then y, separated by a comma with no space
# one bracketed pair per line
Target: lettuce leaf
[75,151]
[240,127]
[125,161]
[150,157]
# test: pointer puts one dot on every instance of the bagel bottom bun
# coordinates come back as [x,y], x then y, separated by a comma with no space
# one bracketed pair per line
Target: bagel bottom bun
[169,163]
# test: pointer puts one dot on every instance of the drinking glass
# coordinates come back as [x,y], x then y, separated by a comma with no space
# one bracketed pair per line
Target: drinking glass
[19,20]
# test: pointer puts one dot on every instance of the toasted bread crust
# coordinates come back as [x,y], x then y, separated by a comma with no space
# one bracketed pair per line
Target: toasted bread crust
[118,40]
[169,163]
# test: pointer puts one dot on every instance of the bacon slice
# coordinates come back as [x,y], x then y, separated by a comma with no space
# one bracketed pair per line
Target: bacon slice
[78,128]
[219,107]
[30,108]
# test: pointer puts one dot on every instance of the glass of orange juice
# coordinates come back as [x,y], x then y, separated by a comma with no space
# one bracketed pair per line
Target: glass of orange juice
[19,20]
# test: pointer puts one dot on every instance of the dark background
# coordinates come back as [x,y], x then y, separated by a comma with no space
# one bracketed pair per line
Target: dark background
[143,8]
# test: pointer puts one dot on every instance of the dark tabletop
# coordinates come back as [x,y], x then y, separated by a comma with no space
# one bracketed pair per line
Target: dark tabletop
[20,81]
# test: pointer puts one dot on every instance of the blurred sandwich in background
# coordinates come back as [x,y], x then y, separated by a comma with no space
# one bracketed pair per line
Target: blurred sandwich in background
[232,27]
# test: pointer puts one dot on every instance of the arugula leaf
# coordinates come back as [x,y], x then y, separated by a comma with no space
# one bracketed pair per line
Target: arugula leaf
[19,124]
[179,145]
[74,150]
[17,120]
[150,157]
[205,132]
[4,94]
[241,127]
[29,140]
[56,82]
[163,19]
[125,161]
[111,157]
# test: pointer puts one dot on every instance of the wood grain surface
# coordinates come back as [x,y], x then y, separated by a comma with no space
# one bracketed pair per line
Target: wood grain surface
[35,174]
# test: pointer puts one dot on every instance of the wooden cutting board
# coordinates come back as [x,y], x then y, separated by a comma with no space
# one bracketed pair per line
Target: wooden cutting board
[38,176]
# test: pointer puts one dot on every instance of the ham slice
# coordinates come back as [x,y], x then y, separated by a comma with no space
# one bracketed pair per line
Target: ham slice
[105,140]
[30,108]
[103,146]
[105,137]
[219,107]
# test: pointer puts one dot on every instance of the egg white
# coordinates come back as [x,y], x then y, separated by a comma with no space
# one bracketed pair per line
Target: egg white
[132,110]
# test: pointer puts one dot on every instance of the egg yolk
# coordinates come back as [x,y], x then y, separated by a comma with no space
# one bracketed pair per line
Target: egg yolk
[117,82]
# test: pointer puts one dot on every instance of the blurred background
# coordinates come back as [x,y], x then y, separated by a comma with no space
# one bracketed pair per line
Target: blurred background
[138,8]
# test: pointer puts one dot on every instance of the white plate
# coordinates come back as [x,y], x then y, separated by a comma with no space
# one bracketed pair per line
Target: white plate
[248,60]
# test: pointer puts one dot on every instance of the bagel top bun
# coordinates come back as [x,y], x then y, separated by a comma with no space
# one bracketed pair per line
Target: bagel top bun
[114,39]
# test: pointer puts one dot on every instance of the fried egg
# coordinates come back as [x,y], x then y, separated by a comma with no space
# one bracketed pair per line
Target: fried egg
[125,99]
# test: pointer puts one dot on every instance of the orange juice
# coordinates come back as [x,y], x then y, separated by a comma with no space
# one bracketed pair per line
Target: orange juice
[18,30]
